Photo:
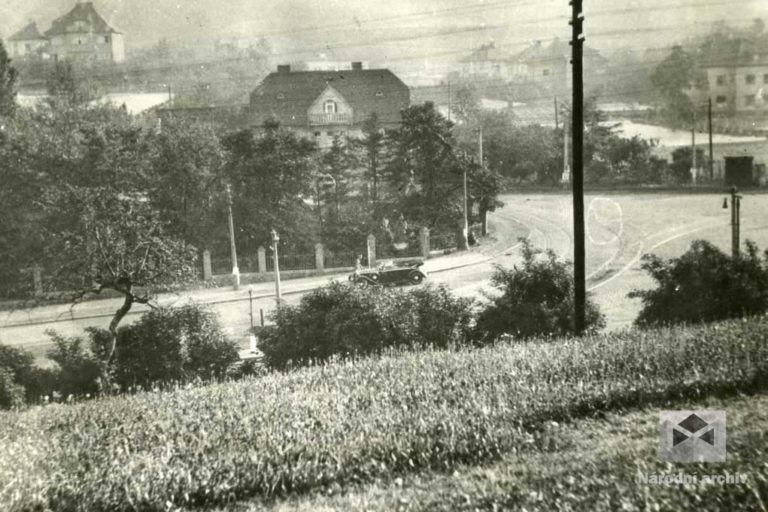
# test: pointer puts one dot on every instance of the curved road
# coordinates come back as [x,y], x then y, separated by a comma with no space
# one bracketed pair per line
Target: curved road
[620,229]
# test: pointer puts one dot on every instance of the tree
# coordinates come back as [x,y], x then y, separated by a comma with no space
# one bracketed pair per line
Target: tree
[65,88]
[102,239]
[424,170]
[673,78]
[270,174]
[185,181]
[373,145]
[8,75]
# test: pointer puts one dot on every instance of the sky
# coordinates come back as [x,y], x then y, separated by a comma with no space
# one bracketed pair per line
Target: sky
[394,29]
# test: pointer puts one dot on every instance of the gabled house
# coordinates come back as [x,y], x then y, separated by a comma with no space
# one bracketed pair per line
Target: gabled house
[83,35]
[328,104]
[27,42]
[739,84]
[487,61]
[549,64]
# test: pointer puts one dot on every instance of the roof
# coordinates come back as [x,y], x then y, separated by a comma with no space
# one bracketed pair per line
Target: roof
[287,96]
[487,52]
[82,12]
[28,33]
[557,50]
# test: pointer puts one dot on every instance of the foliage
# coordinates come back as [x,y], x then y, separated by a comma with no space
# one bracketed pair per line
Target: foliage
[424,173]
[8,75]
[270,174]
[682,162]
[173,345]
[15,371]
[78,369]
[349,320]
[673,78]
[353,422]
[704,285]
[186,184]
[537,299]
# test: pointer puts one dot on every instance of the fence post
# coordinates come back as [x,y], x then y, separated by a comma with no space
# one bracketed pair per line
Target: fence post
[319,261]
[424,241]
[371,251]
[261,254]
[37,279]
[207,271]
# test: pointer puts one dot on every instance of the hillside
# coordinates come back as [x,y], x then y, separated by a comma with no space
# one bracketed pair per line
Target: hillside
[327,429]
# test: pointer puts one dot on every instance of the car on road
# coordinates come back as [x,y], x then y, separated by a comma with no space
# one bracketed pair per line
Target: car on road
[391,274]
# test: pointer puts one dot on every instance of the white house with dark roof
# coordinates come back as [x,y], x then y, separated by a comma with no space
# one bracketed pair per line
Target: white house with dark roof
[27,42]
[328,104]
[80,35]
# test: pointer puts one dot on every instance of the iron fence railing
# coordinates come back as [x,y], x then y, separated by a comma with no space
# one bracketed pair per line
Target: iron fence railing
[292,262]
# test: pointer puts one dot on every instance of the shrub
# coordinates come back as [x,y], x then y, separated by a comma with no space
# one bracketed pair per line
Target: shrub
[703,285]
[20,380]
[341,319]
[173,344]
[536,299]
[79,370]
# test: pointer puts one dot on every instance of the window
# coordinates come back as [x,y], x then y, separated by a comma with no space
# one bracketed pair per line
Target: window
[317,134]
[720,79]
[750,79]
[749,100]
[330,107]
[79,41]
[28,46]
[545,72]
[106,39]
[280,96]
[330,134]
[765,78]
[721,99]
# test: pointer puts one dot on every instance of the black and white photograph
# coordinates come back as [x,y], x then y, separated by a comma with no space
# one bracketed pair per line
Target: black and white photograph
[347,255]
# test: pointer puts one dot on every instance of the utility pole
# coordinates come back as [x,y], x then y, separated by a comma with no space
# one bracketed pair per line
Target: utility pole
[566,168]
[275,240]
[557,122]
[577,120]
[170,96]
[735,220]
[449,100]
[693,147]
[711,159]
[233,249]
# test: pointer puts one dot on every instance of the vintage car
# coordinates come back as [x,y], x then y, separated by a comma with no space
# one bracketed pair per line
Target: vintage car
[391,274]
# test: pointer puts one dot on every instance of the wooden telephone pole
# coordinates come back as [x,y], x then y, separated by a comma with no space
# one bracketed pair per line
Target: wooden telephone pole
[577,120]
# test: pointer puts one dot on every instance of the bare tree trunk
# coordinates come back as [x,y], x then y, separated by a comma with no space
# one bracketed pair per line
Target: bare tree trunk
[119,315]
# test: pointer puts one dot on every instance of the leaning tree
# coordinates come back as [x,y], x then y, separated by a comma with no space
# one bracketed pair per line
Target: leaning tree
[100,239]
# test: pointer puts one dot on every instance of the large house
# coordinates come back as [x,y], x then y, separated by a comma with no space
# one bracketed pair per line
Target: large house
[80,35]
[739,85]
[550,64]
[329,104]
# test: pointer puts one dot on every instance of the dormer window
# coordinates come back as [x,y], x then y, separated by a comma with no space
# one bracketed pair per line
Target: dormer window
[379,94]
[280,96]
[330,107]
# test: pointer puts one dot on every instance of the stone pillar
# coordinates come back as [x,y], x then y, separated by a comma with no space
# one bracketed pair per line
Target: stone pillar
[207,270]
[319,261]
[424,241]
[262,259]
[37,279]
[371,251]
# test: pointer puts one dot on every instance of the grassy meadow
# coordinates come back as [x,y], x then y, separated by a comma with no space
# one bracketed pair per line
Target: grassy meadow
[335,427]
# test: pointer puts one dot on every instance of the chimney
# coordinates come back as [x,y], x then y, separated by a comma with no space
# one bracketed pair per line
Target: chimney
[357,65]
[283,68]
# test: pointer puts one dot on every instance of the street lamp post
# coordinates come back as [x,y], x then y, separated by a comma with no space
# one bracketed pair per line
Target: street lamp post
[735,220]
[275,240]
[233,249]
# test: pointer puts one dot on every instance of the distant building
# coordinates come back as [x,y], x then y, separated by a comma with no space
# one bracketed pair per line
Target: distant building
[739,85]
[80,35]
[551,64]
[487,61]
[27,42]
[328,104]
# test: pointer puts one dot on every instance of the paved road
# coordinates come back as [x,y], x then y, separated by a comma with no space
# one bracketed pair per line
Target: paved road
[620,229]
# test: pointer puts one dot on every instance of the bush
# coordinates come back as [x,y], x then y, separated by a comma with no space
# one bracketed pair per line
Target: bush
[536,299]
[341,319]
[703,285]
[20,380]
[79,370]
[173,344]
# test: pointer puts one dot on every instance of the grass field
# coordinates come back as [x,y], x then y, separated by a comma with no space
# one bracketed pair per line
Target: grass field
[331,428]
